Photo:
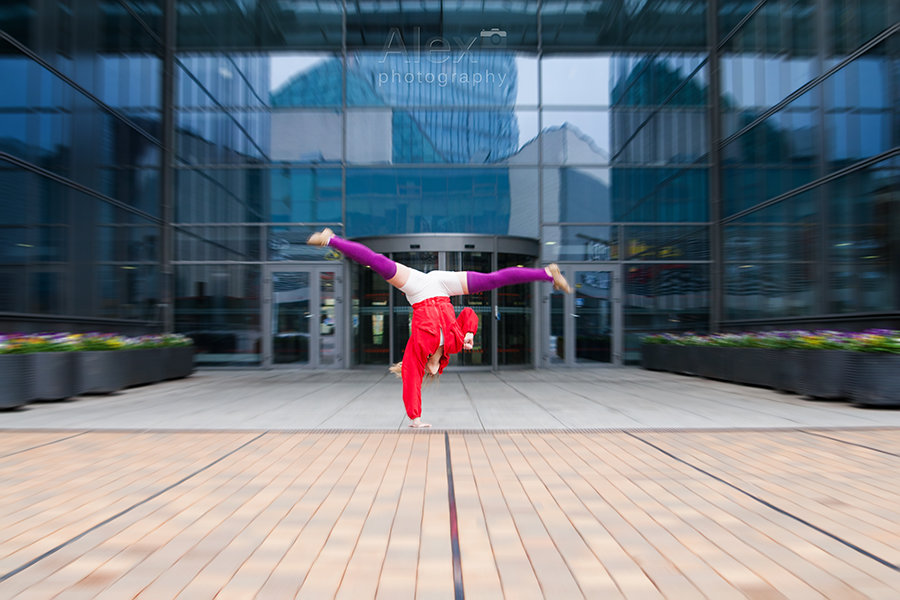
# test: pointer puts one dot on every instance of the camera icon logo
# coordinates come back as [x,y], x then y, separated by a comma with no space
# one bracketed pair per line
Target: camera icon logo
[493,38]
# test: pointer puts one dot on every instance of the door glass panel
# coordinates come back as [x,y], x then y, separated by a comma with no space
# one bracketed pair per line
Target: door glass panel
[328,335]
[290,317]
[557,354]
[480,354]
[514,312]
[370,317]
[593,316]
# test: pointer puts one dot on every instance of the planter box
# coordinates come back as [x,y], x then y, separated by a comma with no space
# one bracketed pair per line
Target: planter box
[873,379]
[55,375]
[823,373]
[102,371]
[178,362]
[145,365]
[711,363]
[682,359]
[651,357]
[17,377]
[750,366]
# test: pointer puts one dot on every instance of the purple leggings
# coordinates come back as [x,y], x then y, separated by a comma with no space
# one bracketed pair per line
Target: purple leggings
[355,251]
[481,282]
[477,282]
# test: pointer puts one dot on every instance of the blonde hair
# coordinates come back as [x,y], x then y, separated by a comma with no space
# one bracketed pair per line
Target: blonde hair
[397,369]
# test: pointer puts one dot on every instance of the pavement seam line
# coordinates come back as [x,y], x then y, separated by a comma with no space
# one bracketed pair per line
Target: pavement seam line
[827,437]
[458,592]
[125,511]
[68,437]
[768,504]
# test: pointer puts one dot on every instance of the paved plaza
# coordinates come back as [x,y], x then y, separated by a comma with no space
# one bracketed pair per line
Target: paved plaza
[588,483]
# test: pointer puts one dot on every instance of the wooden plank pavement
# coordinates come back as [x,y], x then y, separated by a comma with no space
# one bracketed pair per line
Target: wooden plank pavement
[538,514]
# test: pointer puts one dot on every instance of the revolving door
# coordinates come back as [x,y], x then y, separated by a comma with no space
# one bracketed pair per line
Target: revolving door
[381,315]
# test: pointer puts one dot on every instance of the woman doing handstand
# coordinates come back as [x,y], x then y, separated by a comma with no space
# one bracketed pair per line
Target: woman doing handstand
[436,330]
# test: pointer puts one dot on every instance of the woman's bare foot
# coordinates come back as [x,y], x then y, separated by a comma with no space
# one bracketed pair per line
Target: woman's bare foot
[559,282]
[320,238]
[417,423]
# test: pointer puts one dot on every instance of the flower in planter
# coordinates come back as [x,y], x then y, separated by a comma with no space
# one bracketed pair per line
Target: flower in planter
[102,341]
[876,340]
[873,340]
[38,342]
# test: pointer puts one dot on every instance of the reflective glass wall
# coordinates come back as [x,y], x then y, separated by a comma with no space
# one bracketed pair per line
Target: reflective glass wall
[80,168]
[809,163]
[738,160]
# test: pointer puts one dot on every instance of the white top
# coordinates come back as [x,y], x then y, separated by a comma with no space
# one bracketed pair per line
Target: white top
[422,286]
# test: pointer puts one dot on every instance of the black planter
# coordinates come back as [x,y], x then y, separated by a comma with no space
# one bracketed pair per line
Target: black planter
[752,366]
[873,379]
[55,375]
[178,362]
[682,359]
[823,373]
[710,362]
[102,371]
[17,377]
[145,365]
[651,357]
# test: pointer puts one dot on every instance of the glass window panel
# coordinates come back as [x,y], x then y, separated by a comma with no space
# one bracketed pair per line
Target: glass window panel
[853,22]
[583,243]
[673,79]
[306,79]
[259,25]
[289,243]
[217,243]
[394,24]
[667,136]
[12,282]
[576,80]
[425,136]
[454,78]
[220,195]
[574,194]
[576,137]
[14,72]
[494,25]
[46,293]
[127,243]
[370,317]
[218,306]
[770,261]
[648,194]
[127,292]
[305,195]
[515,313]
[382,201]
[219,137]
[16,245]
[863,239]
[291,317]
[778,27]
[667,243]
[306,136]
[664,297]
[566,24]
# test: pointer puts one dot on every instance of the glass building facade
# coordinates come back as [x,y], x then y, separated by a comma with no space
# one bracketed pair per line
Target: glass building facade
[694,165]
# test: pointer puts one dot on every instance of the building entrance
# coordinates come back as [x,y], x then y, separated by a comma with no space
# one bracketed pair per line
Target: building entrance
[585,327]
[381,315]
[303,316]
